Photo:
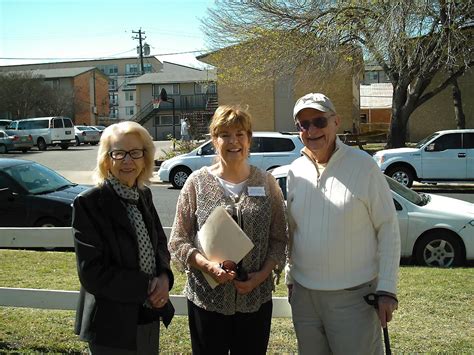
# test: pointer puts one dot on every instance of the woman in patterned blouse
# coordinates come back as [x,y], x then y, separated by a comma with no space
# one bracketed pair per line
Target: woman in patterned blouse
[122,256]
[235,316]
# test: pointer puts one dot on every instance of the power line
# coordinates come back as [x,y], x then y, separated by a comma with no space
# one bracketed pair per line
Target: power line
[100,58]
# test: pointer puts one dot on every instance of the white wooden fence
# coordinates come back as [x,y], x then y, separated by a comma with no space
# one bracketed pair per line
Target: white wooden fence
[67,300]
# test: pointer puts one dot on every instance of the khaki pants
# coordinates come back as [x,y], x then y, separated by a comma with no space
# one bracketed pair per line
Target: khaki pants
[337,322]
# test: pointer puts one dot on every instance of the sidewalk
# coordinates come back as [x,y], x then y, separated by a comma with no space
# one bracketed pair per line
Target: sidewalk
[85,177]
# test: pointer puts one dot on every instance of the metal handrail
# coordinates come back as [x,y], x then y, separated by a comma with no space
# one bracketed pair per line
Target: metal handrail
[143,113]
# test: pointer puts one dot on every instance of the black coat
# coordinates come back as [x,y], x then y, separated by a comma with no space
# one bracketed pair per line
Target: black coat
[113,289]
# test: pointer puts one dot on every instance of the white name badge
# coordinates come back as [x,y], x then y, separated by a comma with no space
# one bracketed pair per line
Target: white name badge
[256,191]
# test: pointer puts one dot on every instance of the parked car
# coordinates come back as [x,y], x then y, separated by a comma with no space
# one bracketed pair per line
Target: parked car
[268,150]
[444,156]
[4,123]
[46,131]
[32,195]
[435,230]
[15,142]
[98,128]
[86,134]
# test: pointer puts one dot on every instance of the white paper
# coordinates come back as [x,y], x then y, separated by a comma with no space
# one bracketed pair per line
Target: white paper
[221,239]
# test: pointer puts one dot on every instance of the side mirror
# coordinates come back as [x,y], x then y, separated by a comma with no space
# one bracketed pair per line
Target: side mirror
[199,152]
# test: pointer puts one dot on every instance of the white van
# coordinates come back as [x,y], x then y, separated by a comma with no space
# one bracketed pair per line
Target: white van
[46,131]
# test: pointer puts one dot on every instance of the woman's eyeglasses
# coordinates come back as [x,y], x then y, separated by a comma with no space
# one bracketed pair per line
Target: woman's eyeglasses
[121,154]
[318,122]
[229,265]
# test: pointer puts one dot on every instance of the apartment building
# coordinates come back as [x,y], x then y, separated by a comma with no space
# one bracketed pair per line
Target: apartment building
[120,71]
[191,92]
[88,87]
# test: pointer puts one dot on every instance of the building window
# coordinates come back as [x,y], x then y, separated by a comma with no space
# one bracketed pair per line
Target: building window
[126,84]
[53,83]
[113,84]
[113,112]
[147,68]
[171,89]
[129,110]
[166,120]
[131,69]
[108,69]
[128,96]
[363,118]
[205,88]
[113,99]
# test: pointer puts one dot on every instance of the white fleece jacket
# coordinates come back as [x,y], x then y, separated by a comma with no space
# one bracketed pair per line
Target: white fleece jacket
[343,226]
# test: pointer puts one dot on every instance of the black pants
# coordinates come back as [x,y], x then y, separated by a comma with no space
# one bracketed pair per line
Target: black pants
[213,333]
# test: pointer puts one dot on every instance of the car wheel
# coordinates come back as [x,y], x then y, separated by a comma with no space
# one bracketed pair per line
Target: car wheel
[402,174]
[179,176]
[48,222]
[78,143]
[64,146]
[439,248]
[3,149]
[41,144]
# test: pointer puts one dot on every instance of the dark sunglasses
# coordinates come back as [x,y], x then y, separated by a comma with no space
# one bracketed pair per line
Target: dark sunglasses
[229,265]
[318,122]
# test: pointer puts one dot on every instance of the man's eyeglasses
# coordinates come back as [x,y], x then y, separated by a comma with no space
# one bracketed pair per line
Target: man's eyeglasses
[318,122]
[121,154]
[229,265]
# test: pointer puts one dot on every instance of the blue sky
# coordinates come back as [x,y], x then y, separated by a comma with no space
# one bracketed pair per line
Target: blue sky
[60,30]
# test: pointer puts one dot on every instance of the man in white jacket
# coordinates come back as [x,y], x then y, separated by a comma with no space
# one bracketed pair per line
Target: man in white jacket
[344,239]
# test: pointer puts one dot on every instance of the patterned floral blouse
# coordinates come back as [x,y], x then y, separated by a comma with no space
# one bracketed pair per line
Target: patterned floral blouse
[264,222]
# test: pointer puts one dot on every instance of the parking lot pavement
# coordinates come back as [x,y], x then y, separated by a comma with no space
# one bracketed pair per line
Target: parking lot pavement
[85,177]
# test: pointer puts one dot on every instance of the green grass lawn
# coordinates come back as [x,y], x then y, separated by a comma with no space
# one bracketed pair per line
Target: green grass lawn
[435,313]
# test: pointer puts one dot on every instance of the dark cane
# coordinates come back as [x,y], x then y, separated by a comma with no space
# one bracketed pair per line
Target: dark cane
[373,300]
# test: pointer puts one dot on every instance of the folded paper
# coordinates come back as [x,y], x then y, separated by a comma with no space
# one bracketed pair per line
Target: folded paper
[221,238]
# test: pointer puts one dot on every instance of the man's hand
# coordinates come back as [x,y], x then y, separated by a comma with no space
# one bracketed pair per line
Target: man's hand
[386,306]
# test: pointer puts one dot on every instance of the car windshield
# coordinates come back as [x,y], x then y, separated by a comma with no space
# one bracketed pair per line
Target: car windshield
[407,193]
[424,140]
[36,178]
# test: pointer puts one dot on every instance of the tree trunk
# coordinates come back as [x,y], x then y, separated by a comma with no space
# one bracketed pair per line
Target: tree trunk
[397,135]
[458,111]
[398,130]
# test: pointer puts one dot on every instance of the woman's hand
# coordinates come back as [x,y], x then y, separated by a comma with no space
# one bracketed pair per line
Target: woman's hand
[219,274]
[158,291]
[254,279]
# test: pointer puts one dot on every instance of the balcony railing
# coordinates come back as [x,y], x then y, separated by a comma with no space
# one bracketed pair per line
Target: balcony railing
[187,103]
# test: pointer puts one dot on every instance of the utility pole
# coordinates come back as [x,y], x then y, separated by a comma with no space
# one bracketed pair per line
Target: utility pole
[140,38]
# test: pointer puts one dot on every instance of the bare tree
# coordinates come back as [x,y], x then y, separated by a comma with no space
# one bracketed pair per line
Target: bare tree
[20,93]
[25,94]
[57,102]
[414,42]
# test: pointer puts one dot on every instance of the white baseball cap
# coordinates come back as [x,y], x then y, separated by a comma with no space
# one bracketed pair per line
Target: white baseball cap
[317,101]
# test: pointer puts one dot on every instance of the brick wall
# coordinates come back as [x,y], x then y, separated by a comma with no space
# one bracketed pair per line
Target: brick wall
[85,86]
[438,113]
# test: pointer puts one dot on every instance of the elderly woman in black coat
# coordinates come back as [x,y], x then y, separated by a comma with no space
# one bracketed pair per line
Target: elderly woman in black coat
[121,249]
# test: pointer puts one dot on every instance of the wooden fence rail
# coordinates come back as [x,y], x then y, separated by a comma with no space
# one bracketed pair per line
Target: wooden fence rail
[66,300]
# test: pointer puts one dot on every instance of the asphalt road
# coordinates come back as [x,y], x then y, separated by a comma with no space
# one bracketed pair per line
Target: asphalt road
[77,162]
